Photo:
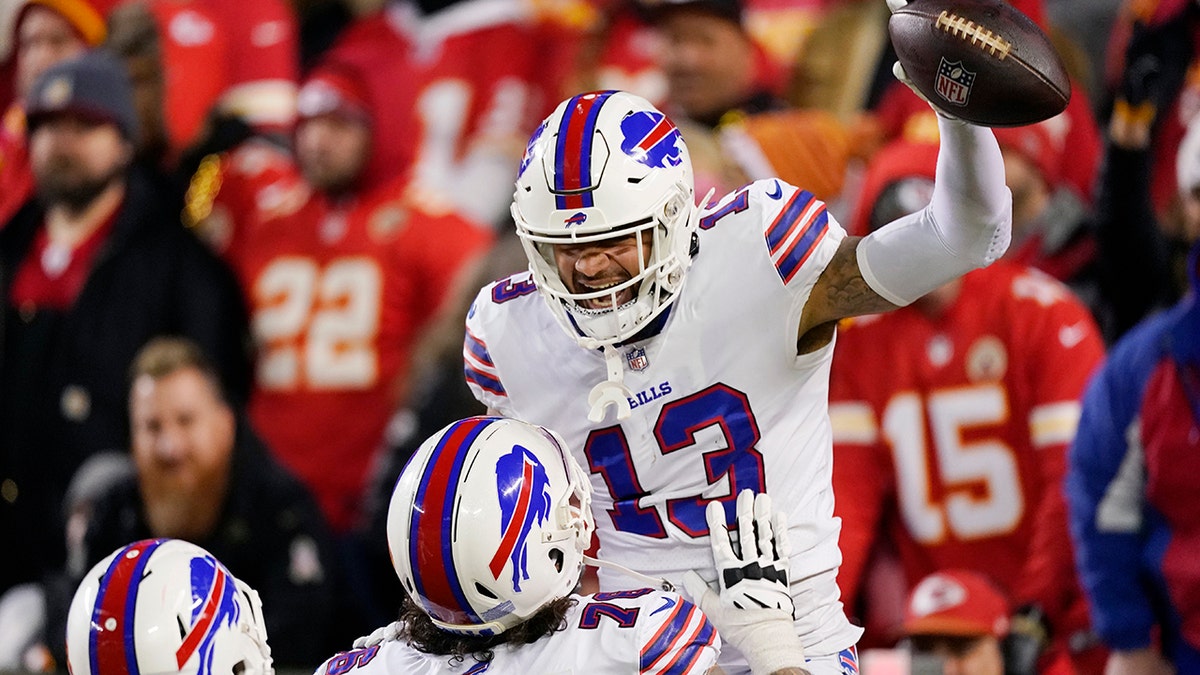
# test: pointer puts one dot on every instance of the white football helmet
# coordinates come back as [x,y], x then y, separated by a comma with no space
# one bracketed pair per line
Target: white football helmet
[488,523]
[604,165]
[165,606]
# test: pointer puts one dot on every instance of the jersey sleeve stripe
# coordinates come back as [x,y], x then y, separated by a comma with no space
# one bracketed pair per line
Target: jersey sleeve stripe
[475,347]
[478,367]
[803,246]
[687,656]
[788,219]
[665,640]
[485,381]
[1054,423]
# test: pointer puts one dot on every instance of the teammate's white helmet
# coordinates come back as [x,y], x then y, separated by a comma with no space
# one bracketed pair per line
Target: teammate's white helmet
[482,528]
[165,606]
[607,164]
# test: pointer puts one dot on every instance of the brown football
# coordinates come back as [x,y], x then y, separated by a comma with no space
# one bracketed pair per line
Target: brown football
[980,60]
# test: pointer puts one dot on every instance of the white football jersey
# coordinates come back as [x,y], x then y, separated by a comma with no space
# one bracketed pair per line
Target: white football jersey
[623,633]
[721,400]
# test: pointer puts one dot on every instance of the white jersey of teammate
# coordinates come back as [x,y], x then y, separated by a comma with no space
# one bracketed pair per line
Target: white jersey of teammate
[721,401]
[629,632]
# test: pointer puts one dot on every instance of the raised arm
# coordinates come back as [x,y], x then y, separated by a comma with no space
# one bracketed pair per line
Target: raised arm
[967,225]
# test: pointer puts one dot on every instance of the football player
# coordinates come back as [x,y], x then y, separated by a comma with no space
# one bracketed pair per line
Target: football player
[684,351]
[487,529]
[165,606]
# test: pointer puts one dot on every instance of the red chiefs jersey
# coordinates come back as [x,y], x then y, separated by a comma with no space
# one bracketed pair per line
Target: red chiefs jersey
[261,63]
[478,77]
[952,430]
[338,294]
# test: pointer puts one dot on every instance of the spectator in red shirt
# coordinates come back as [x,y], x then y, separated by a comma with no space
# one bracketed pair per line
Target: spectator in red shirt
[951,419]
[342,270]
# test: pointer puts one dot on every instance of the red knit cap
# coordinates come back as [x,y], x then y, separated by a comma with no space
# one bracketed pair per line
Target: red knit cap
[1035,144]
[892,163]
[333,90]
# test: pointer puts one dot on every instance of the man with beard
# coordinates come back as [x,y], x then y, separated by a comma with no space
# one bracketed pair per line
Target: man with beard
[90,269]
[201,475]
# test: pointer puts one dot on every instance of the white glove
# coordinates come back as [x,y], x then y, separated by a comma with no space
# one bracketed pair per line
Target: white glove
[379,636]
[894,5]
[754,609]
[900,74]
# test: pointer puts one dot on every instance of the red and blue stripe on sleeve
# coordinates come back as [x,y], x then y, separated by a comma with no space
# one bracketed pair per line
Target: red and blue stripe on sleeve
[794,234]
[679,642]
[478,367]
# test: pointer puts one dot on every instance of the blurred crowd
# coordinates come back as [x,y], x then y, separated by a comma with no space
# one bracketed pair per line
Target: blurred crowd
[238,241]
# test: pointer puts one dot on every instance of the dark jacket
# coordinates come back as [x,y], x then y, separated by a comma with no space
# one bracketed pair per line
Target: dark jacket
[270,534]
[63,374]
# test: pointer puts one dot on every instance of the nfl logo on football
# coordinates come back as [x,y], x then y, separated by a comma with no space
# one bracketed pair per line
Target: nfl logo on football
[954,82]
[636,358]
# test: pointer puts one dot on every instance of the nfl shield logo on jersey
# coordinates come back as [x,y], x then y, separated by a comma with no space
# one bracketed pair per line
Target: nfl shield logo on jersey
[637,360]
[954,82]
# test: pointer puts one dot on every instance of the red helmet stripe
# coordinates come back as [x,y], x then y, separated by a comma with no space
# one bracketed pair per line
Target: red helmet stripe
[202,625]
[513,533]
[112,637]
[430,554]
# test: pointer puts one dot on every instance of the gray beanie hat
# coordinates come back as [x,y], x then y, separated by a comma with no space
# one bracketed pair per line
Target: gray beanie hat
[94,85]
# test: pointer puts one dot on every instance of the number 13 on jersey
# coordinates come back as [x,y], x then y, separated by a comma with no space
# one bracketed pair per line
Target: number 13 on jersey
[719,407]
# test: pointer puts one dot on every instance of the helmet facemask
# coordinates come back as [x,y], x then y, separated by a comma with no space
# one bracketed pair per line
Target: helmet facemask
[656,282]
[606,165]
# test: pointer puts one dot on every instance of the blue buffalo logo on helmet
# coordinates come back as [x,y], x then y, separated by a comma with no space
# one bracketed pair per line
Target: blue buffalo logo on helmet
[527,158]
[213,604]
[651,138]
[577,219]
[524,491]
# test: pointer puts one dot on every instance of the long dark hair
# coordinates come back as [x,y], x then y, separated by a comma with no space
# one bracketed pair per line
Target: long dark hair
[419,631]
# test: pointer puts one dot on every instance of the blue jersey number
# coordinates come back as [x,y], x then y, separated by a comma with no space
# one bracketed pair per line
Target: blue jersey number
[625,617]
[719,406]
[353,659]
[739,203]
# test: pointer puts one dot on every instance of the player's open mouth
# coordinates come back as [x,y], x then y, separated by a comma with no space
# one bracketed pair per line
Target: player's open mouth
[607,300]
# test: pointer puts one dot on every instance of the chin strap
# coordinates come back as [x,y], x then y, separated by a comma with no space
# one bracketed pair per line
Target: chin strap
[611,391]
[656,582]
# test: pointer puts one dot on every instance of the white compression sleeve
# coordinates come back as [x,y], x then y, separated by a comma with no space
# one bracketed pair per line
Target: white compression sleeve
[967,225]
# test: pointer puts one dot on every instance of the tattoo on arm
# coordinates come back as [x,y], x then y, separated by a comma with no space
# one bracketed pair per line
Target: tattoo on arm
[846,292]
[840,292]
